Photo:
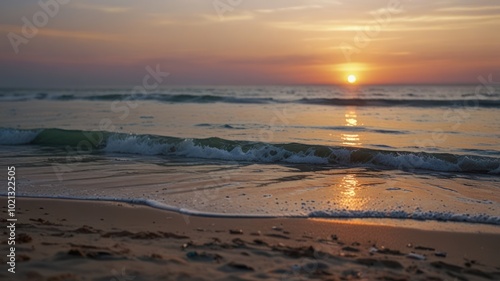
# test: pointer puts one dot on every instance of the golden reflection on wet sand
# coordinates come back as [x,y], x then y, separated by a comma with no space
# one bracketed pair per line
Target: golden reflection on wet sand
[348,195]
[349,184]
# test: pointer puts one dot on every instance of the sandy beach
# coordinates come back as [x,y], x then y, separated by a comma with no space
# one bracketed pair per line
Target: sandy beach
[87,240]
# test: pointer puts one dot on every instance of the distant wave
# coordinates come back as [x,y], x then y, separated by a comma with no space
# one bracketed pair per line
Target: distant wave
[402,102]
[190,98]
[260,152]
[328,128]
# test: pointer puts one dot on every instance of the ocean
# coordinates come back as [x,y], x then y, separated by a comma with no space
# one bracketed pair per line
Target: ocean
[381,152]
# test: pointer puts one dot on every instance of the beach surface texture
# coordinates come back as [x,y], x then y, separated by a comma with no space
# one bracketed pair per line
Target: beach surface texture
[82,240]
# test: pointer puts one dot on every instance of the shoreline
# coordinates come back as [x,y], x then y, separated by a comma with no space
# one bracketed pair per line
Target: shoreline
[60,237]
[425,224]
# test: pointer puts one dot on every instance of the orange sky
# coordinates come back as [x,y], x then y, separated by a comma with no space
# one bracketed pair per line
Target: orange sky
[86,43]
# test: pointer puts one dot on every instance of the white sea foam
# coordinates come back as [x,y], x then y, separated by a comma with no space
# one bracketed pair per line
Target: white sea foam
[416,215]
[133,144]
[14,136]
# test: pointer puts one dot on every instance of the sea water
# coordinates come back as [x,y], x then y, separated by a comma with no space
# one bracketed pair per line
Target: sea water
[405,152]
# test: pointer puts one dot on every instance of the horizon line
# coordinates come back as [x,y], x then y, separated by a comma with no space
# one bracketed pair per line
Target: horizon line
[245,85]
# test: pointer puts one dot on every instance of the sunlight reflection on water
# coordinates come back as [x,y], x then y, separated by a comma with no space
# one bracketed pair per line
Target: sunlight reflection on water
[351,120]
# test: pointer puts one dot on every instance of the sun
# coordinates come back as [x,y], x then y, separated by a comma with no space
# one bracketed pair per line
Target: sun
[351,79]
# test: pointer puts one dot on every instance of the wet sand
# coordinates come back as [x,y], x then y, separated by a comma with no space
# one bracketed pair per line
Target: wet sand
[87,240]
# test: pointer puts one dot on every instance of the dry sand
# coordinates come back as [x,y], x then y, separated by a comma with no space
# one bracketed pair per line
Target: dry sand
[84,240]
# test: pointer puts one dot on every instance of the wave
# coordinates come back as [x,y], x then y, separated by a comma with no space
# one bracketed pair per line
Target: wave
[207,98]
[260,152]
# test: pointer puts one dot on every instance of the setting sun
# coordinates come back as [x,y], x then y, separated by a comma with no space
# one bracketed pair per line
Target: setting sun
[351,79]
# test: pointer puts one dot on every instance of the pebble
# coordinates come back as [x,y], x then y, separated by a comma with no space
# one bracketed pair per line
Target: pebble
[236,231]
[440,254]
[416,256]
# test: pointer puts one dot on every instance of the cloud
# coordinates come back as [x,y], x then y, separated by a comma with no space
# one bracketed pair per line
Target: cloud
[70,34]
[469,9]
[280,60]
[321,26]
[104,9]
[285,9]
[229,17]
[448,18]
[395,23]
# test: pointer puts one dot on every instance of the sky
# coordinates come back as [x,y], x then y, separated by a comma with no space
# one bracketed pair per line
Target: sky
[69,43]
